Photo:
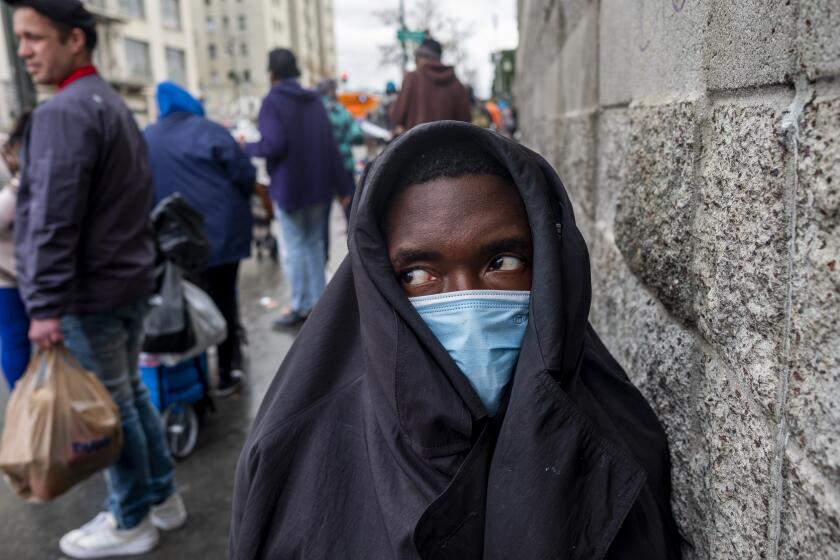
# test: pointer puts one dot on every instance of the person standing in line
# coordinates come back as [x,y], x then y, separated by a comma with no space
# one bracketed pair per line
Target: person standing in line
[430,93]
[14,322]
[199,159]
[347,134]
[305,168]
[379,116]
[85,261]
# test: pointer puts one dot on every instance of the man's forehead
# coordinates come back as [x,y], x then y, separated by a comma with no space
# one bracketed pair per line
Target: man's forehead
[448,201]
[30,17]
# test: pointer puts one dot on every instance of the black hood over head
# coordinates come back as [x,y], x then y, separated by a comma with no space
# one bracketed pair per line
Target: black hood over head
[372,431]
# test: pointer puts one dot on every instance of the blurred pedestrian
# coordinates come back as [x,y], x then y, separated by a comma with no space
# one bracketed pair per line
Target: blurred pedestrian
[495,114]
[199,159]
[14,322]
[306,170]
[507,114]
[85,260]
[347,134]
[380,115]
[430,93]
[480,115]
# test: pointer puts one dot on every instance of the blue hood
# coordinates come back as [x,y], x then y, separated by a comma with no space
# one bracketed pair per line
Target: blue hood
[172,98]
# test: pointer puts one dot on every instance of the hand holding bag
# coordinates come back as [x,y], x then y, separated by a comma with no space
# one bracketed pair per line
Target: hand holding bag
[61,426]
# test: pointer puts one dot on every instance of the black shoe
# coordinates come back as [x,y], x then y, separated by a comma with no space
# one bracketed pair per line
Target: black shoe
[227,387]
[289,320]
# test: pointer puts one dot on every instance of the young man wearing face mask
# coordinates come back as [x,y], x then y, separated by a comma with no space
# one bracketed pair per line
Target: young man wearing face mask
[469,411]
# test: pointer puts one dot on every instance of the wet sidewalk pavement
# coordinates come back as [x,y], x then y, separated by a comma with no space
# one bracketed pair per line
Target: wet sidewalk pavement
[205,478]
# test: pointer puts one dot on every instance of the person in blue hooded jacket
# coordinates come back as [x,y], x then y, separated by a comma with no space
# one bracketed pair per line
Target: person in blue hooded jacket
[199,159]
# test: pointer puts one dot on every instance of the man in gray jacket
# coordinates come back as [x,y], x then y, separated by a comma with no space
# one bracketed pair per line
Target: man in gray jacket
[86,260]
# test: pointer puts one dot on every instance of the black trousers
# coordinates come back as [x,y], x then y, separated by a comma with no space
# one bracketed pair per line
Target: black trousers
[220,284]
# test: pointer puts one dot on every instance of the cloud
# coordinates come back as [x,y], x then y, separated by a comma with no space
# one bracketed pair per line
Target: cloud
[359,33]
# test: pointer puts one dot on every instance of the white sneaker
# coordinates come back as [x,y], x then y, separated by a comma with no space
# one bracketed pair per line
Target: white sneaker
[169,514]
[102,518]
[100,537]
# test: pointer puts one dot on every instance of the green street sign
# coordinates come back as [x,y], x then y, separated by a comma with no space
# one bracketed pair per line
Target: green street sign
[407,36]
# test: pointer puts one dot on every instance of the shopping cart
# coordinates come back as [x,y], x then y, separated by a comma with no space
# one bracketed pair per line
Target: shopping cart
[181,393]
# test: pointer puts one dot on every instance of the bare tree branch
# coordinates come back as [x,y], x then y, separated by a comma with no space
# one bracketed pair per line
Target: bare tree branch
[426,15]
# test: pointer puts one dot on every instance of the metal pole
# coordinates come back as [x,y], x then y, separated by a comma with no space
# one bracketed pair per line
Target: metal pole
[25,92]
[402,43]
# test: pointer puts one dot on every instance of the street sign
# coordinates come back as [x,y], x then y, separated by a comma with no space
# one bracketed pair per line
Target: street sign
[408,36]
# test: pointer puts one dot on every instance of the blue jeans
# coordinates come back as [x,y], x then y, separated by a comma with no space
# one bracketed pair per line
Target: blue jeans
[14,336]
[108,344]
[303,254]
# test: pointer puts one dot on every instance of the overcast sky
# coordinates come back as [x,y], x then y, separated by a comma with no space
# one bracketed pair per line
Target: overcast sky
[358,34]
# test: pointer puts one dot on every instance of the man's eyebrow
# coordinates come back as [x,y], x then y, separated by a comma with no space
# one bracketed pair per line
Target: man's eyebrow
[404,257]
[512,244]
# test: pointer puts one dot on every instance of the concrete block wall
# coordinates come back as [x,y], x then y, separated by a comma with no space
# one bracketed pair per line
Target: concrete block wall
[700,142]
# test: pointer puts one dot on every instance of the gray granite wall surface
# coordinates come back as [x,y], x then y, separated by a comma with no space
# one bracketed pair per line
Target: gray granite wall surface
[700,142]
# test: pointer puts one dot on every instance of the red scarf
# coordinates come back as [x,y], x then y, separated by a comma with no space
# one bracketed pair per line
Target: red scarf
[77,73]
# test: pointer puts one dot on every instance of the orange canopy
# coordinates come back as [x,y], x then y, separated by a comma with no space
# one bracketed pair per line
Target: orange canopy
[359,104]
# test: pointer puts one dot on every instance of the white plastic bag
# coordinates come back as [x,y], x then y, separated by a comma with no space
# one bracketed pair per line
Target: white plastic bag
[166,326]
[207,322]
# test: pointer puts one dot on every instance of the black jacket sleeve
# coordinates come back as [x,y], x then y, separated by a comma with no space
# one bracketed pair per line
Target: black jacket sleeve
[60,161]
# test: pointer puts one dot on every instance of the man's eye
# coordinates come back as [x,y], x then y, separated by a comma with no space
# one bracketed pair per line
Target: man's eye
[507,263]
[416,277]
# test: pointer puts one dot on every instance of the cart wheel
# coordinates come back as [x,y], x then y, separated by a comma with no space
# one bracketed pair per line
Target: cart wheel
[181,424]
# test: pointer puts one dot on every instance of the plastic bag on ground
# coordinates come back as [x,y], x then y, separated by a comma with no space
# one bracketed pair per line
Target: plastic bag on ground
[207,323]
[61,427]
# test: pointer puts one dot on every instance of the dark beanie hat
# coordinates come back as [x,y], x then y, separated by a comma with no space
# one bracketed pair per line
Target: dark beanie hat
[429,49]
[67,12]
[282,64]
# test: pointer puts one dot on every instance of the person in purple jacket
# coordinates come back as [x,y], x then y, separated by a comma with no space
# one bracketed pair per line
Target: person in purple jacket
[306,171]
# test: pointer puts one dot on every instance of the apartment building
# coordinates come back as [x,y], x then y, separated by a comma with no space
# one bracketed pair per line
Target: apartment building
[233,38]
[144,42]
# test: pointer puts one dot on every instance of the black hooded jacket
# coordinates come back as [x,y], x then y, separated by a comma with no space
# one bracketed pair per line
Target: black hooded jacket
[370,442]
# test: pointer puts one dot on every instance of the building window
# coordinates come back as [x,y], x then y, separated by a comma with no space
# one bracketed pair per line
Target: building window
[225,22]
[246,75]
[137,61]
[133,8]
[211,24]
[211,50]
[176,65]
[242,23]
[243,49]
[171,13]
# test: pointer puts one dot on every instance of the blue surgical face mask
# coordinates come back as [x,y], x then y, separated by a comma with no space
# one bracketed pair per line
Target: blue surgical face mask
[482,330]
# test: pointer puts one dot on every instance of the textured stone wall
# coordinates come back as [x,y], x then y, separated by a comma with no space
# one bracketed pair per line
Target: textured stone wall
[700,142]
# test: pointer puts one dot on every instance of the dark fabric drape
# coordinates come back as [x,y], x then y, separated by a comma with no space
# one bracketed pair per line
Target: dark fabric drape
[370,443]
